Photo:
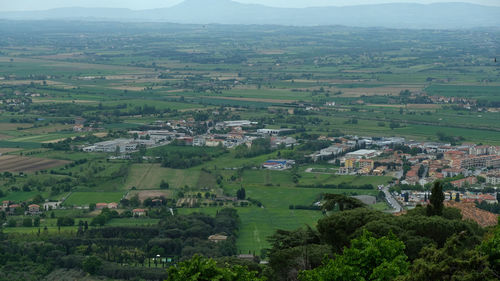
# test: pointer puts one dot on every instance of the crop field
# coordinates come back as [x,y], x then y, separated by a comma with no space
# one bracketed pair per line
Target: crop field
[13,163]
[8,150]
[149,176]
[145,194]
[85,198]
[487,92]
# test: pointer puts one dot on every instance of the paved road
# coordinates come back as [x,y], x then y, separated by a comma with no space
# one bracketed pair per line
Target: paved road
[396,207]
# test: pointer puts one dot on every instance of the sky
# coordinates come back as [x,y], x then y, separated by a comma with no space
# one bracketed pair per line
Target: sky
[20,5]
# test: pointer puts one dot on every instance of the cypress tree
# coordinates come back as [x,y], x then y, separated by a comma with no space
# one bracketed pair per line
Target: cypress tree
[436,199]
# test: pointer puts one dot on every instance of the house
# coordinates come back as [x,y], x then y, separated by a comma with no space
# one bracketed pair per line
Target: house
[199,141]
[34,209]
[278,164]
[5,205]
[275,132]
[362,153]
[349,163]
[379,171]
[214,142]
[452,172]
[77,128]
[216,238]
[480,150]
[138,212]
[412,175]
[100,206]
[464,182]
[453,154]
[489,198]
[112,205]
[366,164]
[493,178]
[13,207]
[157,202]
[51,205]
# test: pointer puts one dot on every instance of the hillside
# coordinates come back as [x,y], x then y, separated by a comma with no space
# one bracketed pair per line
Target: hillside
[396,15]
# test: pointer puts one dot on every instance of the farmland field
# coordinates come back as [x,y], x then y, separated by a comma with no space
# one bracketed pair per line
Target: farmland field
[149,176]
[85,198]
[69,89]
[13,163]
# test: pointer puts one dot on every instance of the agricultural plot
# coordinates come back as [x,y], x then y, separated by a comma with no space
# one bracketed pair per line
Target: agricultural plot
[85,198]
[149,176]
[145,194]
[12,163]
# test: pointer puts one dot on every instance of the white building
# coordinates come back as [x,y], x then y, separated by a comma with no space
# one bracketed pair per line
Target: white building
[122,145]
[363,153]
[493,179]
[274,132]
[236,123]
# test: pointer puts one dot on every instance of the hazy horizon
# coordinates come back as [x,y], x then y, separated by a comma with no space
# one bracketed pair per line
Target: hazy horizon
[30,5]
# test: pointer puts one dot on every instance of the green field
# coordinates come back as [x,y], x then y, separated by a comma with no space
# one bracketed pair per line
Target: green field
[133,222]
[85,198]
[149,176]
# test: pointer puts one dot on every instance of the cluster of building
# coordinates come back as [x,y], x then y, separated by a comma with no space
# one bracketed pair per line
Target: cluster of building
[360,162]
[11,208]
[182,131]
[433,161]
[411,198]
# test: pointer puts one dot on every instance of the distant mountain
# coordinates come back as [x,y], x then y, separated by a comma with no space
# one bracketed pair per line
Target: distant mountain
[398,15]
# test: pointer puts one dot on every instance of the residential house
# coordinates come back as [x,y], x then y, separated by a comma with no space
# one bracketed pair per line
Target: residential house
[112,205]
[493,178]
[139,212]
[464,182]
[34,209]
[47,206]
[366,164]
[13,207]
[100,206]
[5,205]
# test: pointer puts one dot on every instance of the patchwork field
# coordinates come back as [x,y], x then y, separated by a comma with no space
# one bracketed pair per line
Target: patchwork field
[12,163]
[149,176]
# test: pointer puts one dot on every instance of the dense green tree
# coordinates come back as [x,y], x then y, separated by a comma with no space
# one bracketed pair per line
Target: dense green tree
[368,258]
[454,261]
[91,264]
[436,205]
[202,269]
[295,250]
[241,194]
[340,227]
[491,248]
[341,202]
[36,222]
[27,222]
[164,185]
